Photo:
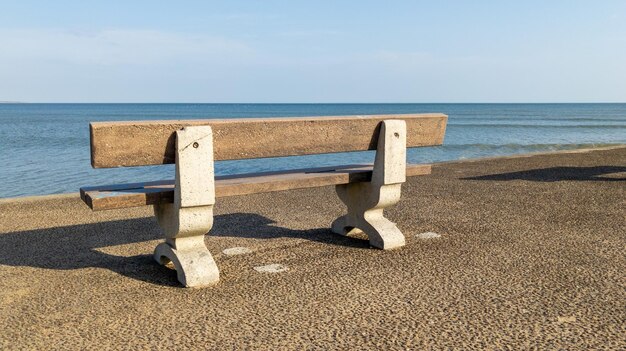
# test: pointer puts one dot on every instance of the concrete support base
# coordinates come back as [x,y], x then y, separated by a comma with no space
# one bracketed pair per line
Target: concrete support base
[367,200]
[184,229]
[194,264]
[365,213]
[186,221]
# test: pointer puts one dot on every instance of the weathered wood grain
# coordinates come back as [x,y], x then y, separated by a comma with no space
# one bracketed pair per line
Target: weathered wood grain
[140,143]
[141,194]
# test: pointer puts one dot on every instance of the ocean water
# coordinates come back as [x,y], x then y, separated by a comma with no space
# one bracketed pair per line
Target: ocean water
[44,148]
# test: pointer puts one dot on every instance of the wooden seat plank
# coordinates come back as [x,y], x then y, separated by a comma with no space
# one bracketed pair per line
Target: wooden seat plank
[142,143]
[148,193]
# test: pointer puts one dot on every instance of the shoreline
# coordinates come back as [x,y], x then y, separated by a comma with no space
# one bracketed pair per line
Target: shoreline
[538,153]
[28,198]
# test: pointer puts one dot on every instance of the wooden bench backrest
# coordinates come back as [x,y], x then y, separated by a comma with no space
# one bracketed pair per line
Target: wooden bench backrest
[142,143]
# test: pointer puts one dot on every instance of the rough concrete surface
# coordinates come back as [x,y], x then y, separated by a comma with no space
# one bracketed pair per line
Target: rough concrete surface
[531,256]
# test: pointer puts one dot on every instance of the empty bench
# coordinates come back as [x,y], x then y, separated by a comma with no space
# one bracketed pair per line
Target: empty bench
[184,206]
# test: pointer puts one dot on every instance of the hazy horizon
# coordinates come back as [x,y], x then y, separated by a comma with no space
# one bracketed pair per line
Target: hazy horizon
[313,103]
[322,103]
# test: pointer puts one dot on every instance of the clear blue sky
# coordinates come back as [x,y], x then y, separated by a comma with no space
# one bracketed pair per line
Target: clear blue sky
[313,51]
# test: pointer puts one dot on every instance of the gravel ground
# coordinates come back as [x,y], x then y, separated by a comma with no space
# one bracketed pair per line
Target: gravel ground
[507,253]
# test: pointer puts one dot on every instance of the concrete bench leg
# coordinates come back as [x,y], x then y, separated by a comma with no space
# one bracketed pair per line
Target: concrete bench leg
[365,213]
[367,200]
[186,221]
[184,244]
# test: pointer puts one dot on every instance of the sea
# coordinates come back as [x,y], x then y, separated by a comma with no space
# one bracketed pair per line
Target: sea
[44,148]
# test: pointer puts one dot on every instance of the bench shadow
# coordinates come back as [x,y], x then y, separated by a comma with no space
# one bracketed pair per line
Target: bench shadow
[85,245]
[555,174]
[255,226]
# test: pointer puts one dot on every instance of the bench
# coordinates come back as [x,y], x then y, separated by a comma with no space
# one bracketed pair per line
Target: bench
[184,206]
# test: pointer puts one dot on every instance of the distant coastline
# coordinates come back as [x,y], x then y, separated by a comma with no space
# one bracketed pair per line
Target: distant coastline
[12,102]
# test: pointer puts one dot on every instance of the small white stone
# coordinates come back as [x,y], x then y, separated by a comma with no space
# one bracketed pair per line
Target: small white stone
[239,250]
[566,319]
[271,268]
[428,235]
